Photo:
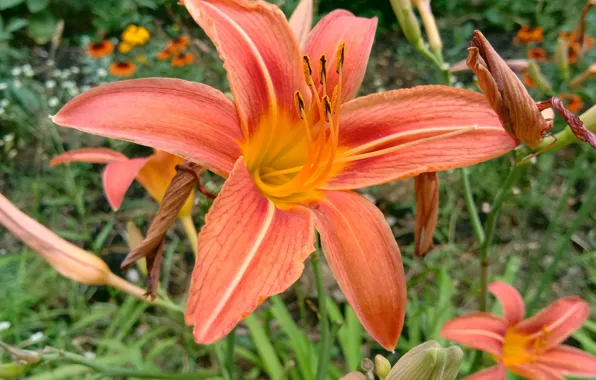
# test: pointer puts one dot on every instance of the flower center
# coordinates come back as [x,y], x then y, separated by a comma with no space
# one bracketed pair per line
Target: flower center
[521,349]
[290,158]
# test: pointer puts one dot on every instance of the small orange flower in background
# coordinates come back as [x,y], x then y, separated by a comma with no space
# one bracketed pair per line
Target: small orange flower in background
[525,35]
[183,59]
[178,44]
[122,69]
[528,81]
[537,54]
[101,49]
[531,348]
[574,102]
[163,55]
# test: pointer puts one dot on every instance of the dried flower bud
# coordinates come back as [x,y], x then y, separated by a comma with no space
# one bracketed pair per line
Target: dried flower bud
[382,366]
[408,22]
[562,58]
[24,355]
[427,211]
[519,66]
[506,94]
[535,74]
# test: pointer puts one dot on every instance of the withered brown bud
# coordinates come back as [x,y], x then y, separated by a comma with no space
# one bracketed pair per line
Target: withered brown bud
[151,247]
[506,93]
[426,186]
[518,112]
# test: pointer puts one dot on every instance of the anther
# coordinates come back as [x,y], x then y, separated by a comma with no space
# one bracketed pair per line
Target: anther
[307,68]
[334,99]
[327,105]
[340,56]
[299,103]
[323,69]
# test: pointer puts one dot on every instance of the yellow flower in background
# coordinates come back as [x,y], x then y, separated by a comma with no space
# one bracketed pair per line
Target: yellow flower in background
[136,35]
[124,47]
[142,59]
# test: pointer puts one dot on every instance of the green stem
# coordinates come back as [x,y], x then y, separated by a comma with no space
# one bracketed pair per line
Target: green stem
[471,205]
[584,211]
[112,372]
[231,344]
[491,223]
[325,344]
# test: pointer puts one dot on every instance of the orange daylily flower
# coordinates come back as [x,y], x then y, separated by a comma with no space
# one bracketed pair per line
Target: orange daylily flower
[154,172]
[537,54]
[529,82]
[530,347]
[293,145]
[100,49]
[122,69]
[69,260]
[574,102]
[163,55]
[183,59]
[526,35]
[178,44]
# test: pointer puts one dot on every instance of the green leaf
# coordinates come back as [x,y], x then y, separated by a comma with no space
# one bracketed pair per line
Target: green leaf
[42,26]
[37,5]
[5,4]
[15,24]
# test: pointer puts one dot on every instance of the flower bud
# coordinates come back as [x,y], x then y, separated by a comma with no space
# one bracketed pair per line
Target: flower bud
[561,58]
[408,22]
[428,361]
[426,186]
[536,75]
[382,366]
[430,25]
[455,356]
[14,369]
[580,79]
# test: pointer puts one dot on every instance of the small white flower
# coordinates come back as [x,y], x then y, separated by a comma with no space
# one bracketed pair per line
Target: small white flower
[73,91]
[12,153]
[533,160]
[85,88]
[486,207]
[53,101]
[4,325]
[27,67]
[50,83]
[4,103]
[75,70]
[65,74]
[16,83]
[370,197]
[3,85]
[89,355]
[50,62]
[9,137]
[516,191]
[459,84]
[391,220]
[2,112]
[57,73]
[43,53]
[68,84]
[16,71]
[37,337]
[132,275]
[101,72]
[85,40]
[29,73]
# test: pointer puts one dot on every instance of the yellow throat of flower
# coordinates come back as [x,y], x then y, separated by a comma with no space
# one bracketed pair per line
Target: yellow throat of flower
[521,349]
[289,158]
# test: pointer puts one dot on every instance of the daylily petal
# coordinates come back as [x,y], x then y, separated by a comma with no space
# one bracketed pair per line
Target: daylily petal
[301,21]
[358,34]
[190,120]
[117,178]
[91,155]
[248,251]
[569,361]
[157,174]
[365,259]
[380,125]
[260,54]
[535,371]
[482,331]
[493,373]
[511,301]
[556,322]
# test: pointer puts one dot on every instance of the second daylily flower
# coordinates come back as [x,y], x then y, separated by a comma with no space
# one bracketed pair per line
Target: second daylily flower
[530,347]
[293,145]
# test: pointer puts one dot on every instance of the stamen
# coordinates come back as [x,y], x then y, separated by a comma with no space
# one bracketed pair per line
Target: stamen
[307,69]
[323,69]
[340,56]
[327,106]
[299,102]
[334,99]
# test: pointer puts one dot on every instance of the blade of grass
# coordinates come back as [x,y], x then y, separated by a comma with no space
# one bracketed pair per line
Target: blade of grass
[265,348]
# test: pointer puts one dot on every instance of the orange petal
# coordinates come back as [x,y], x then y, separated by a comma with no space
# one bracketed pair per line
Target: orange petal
[493,373]
[569,361]
[535,371]
[117,178]
[557,321]
[380,123]
[365,259]
[511,301]
[260,54]
[248,251]
[301,21]
[482,331]
[91,155]
[190,120]
[358,34]
[157,174]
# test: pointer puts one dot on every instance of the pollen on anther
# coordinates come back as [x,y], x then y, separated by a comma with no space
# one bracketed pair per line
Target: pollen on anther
[334,99]
[299,102]
[323,69]
[327,105]
[340,56]
[307,68]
